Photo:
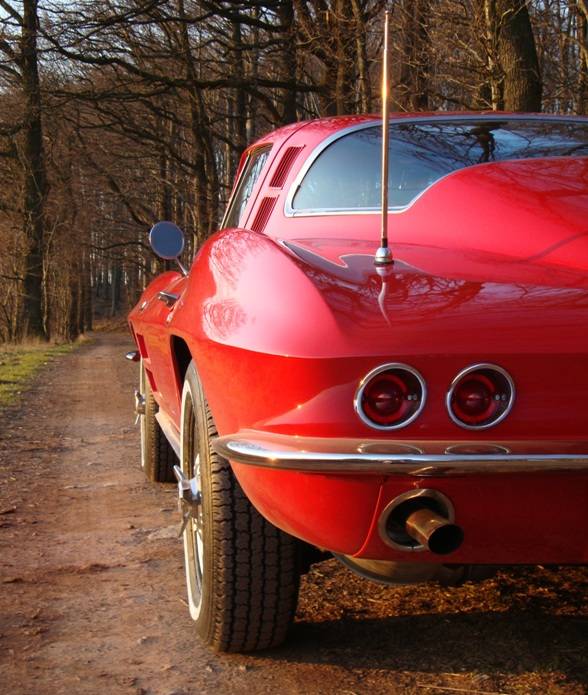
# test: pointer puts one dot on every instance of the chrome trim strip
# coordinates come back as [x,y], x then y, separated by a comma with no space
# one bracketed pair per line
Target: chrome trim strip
[378,370]
[290,211]
[469,370]
[249,448]
[171,433]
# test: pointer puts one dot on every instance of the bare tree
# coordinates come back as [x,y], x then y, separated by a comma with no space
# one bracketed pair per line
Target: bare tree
[115,114]
[411,90]
[581,8]
[20,68]
[518,57]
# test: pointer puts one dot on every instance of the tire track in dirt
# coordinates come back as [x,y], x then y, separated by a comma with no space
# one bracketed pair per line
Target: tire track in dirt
[92,587]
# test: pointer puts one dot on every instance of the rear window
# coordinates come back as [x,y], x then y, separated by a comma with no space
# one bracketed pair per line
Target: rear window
[346,174]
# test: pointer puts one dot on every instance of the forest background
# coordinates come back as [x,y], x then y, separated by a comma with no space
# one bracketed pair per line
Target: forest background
[117,113]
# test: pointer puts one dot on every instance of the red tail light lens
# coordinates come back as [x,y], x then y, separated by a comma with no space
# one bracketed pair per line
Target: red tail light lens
[480,396]
[390,397]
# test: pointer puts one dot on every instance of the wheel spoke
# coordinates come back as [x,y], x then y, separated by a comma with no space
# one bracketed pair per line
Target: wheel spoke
[190,506]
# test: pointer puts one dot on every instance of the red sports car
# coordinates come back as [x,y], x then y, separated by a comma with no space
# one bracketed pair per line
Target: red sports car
[423,420]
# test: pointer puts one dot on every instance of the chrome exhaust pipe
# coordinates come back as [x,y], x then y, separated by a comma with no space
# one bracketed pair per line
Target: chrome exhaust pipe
[433,531]
[421,520]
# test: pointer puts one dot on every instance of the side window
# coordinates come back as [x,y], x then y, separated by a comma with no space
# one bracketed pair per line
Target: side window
[251,172]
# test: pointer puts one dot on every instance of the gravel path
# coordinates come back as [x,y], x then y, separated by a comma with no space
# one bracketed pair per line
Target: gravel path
[92,586]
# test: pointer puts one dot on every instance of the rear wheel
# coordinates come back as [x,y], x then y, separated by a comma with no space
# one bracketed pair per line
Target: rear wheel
[242,572]
[157,456]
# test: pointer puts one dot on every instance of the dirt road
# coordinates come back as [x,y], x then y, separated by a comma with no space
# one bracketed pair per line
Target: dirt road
[92,587]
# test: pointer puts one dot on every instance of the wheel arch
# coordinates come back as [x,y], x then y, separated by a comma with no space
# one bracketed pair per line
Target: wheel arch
[182,356]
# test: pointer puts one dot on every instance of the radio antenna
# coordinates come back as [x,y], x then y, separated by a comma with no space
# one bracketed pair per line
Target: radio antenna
[383,254]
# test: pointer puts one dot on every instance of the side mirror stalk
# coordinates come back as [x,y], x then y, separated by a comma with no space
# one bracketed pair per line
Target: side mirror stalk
[181,267]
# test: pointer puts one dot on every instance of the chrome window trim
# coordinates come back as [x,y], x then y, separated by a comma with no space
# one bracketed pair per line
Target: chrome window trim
[253,152]
[290,211]
[378,370]
[235,189]
[469,370]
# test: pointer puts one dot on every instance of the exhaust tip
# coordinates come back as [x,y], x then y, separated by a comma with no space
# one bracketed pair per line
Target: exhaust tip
[445,539]
[421,520]
[430,526]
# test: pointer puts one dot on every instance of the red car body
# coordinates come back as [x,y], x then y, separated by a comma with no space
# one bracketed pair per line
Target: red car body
[285,315]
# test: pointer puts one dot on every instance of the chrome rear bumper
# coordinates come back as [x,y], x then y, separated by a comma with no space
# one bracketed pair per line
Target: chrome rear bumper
[381,457]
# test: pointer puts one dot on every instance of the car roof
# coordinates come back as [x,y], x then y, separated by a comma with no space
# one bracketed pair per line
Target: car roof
[332,124]
[267,207]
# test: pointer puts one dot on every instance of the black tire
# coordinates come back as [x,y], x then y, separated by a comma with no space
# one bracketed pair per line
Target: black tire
[243,595]
[157,456]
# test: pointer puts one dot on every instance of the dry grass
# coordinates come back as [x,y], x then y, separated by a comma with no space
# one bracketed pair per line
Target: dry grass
[19,363]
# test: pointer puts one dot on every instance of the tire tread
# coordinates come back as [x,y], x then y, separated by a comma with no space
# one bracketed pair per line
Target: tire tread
[255,567]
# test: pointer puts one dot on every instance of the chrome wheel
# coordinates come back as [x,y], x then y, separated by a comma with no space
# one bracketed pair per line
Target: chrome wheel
[141,415]
[242,573]
[190,504]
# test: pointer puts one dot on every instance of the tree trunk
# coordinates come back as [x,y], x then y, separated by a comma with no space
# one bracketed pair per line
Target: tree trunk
[365,95]
[420,95]
[582,19]
[73,319]
[200,135]
[238,69]
[35,183]
[288,60]
[518,57]
[115,289]
[87,308]
[491,89]
[344,79]
[164,211]
[412,92]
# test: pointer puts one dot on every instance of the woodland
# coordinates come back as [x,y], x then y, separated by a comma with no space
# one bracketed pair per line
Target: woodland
[117,113]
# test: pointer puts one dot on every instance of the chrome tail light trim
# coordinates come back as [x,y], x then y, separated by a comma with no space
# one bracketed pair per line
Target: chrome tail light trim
[389,366]
[469,370]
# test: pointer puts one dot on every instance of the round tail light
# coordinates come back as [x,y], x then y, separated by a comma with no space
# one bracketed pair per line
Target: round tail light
[480,396]
[390,396]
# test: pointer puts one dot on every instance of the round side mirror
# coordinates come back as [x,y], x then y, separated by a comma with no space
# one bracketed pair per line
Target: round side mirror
[167,240]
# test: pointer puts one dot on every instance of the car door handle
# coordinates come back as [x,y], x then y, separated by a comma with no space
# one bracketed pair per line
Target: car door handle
[168,298]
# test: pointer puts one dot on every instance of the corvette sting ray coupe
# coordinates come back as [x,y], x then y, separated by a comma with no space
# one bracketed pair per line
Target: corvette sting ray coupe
[422,419]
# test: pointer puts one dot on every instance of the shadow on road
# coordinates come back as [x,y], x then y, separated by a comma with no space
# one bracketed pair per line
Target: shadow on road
[515,642]
[524,622]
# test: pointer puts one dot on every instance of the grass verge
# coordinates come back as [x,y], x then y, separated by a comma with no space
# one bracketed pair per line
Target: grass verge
[19,363]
